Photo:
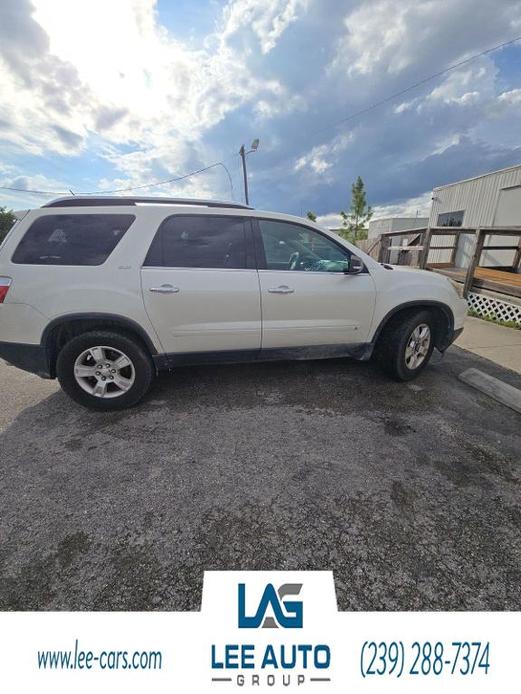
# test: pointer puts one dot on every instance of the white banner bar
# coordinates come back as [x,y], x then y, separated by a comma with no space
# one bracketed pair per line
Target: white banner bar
[259,631]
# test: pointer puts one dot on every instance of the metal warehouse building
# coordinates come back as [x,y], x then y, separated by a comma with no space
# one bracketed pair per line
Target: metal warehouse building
[386,224]
[484,201]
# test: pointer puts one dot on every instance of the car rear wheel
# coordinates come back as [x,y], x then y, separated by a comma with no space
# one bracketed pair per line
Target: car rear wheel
[406,345]
[104,370]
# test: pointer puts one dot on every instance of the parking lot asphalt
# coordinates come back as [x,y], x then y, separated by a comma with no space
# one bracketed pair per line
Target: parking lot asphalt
[410,493]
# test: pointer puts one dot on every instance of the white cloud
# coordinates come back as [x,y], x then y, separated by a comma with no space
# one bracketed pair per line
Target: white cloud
[459,87]
[39,91]
[386,36]
[315,160]
[418,206]
[330,221]
[454,90]
[154,164]
[12,177]
[280,102]
[321,158]
[445,143]
[375,34]
[268,19]
[153,81]
[126,80]
[512,97]
[405,106]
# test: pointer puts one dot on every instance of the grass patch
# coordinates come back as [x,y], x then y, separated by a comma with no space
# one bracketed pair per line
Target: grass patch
[492,319]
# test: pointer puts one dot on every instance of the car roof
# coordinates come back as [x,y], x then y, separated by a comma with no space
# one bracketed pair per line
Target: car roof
[123,201]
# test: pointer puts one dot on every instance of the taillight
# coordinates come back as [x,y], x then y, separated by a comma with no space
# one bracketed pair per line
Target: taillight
[5,283]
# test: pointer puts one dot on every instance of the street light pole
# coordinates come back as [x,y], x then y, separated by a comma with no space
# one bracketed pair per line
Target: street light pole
[244,174]
[243,153]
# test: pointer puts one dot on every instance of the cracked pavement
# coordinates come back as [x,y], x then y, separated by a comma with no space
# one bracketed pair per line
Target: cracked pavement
[410,493]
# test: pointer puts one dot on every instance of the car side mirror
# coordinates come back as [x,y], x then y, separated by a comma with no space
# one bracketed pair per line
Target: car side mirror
[355,265]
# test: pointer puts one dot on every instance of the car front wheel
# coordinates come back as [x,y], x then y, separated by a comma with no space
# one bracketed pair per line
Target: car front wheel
[406,345]
[104,370]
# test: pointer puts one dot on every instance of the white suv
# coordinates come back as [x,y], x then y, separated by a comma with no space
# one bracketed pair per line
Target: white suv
[104,292]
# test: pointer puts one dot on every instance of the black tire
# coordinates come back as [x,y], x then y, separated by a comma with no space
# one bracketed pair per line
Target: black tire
[393,342]
[141,369]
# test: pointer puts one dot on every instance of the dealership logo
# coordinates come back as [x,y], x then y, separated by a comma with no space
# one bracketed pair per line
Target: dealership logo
[281,658]
[286,613]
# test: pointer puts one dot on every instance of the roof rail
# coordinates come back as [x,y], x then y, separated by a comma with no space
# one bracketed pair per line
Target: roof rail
[123,201]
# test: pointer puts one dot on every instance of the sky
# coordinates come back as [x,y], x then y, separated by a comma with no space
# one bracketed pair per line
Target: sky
[99,95]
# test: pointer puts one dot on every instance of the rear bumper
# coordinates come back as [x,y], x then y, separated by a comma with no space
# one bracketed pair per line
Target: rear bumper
[31,358]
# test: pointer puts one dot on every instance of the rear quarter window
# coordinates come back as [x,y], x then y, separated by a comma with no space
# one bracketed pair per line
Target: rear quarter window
[71,239]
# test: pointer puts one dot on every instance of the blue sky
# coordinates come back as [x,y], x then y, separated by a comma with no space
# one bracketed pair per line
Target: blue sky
[103,95]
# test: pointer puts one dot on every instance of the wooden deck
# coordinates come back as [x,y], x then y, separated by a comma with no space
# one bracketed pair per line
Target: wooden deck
[484,277]
[505,280]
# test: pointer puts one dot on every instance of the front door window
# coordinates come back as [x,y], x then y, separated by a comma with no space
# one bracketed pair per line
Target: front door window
[290,246]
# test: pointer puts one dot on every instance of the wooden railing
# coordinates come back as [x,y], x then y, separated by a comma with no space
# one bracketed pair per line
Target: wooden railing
[386,246]
[424,236]
[373,247]
[479,247]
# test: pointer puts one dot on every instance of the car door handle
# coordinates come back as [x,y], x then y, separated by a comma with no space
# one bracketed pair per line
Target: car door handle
[283,289]
[164,289]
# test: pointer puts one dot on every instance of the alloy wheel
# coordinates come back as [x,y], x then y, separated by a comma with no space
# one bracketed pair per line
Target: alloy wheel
[418,346]
[104,372]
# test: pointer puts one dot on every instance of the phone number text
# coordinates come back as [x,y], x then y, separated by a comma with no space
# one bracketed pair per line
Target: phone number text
[424,658]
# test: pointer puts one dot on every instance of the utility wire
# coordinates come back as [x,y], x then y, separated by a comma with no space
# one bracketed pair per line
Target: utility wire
[348,118]
[165,181]
[35,192]
[423,81]
[130,188]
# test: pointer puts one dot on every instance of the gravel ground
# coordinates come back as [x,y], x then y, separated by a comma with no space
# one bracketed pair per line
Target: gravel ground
[409,492]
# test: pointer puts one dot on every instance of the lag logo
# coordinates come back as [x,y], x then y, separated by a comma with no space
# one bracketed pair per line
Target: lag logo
[286,613]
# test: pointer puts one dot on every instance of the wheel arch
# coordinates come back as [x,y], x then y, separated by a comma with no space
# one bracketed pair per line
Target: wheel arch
[62,329]
[442,313]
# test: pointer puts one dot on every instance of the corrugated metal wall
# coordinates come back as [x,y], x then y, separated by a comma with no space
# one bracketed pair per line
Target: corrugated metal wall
[380,226]
[377,227]
[404,223]
[478,197]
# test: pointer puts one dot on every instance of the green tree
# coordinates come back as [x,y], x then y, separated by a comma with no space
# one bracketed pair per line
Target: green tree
[354,222]
[7,219]
[311,215]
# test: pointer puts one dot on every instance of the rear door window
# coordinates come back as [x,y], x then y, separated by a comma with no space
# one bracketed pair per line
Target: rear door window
[72,239]
[199,241]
